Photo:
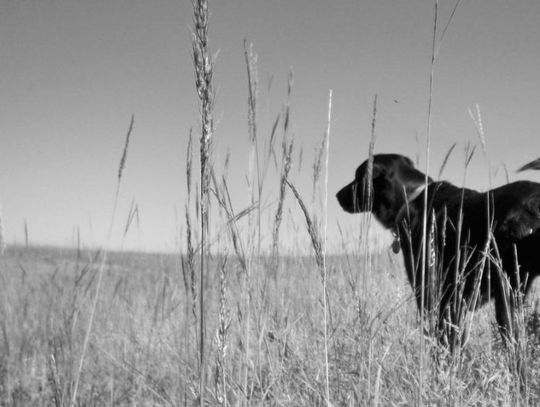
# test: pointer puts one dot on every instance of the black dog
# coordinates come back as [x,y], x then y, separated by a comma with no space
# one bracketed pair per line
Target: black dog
[477,244]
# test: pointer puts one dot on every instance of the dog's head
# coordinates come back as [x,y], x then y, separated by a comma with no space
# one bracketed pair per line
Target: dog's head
[394,178]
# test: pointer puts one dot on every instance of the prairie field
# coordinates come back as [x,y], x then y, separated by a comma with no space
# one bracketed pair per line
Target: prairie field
[259,305]
[143,349]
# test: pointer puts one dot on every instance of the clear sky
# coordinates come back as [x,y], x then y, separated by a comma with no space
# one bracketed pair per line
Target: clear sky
[73,72]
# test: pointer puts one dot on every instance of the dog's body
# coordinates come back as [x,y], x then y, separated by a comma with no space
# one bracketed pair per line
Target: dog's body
[476,242]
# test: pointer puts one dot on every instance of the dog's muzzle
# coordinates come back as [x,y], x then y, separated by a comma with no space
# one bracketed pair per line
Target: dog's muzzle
[348,198]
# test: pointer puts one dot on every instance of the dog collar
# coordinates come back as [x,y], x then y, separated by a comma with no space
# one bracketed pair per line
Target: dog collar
[416,193]
[396,245]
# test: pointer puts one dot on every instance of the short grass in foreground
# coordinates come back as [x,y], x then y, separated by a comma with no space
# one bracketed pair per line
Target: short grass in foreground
[144,347]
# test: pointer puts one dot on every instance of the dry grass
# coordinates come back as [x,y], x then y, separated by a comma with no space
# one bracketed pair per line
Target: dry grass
[143,348]
[244,324]
[203,66]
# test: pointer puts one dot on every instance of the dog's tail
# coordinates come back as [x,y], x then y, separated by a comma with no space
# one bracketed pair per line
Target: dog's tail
[533,165]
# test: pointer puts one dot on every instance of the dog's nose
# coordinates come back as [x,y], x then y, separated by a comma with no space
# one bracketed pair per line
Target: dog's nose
[340,196]
[345,198]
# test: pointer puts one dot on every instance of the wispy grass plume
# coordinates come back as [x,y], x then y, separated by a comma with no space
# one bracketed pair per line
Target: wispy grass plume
[203,64]
[126,145]
[445,161]
[287,150]
[102,263]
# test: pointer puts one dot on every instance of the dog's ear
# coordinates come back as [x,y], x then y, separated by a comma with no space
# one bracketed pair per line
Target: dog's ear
[522,220]
[353,197]
[379,176]
[362,172]
[378,170]
[408,161]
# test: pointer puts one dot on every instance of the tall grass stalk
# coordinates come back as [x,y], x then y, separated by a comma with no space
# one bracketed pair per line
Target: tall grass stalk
[368,191]
[515,337]
[517,346]
[254,161]
[287,150]
[255,187]
[445,29]
[317,167]
[461,252]
[261,155]
[187,262]
[189,277]
[435,48]
[445,160]
[102,263]
[477,120]
[425,214]
[222,195]
[203,64]
[318,242]
[325,234]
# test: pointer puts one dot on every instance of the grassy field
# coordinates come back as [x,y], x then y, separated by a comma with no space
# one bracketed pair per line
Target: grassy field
[144,349]
[230,321]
